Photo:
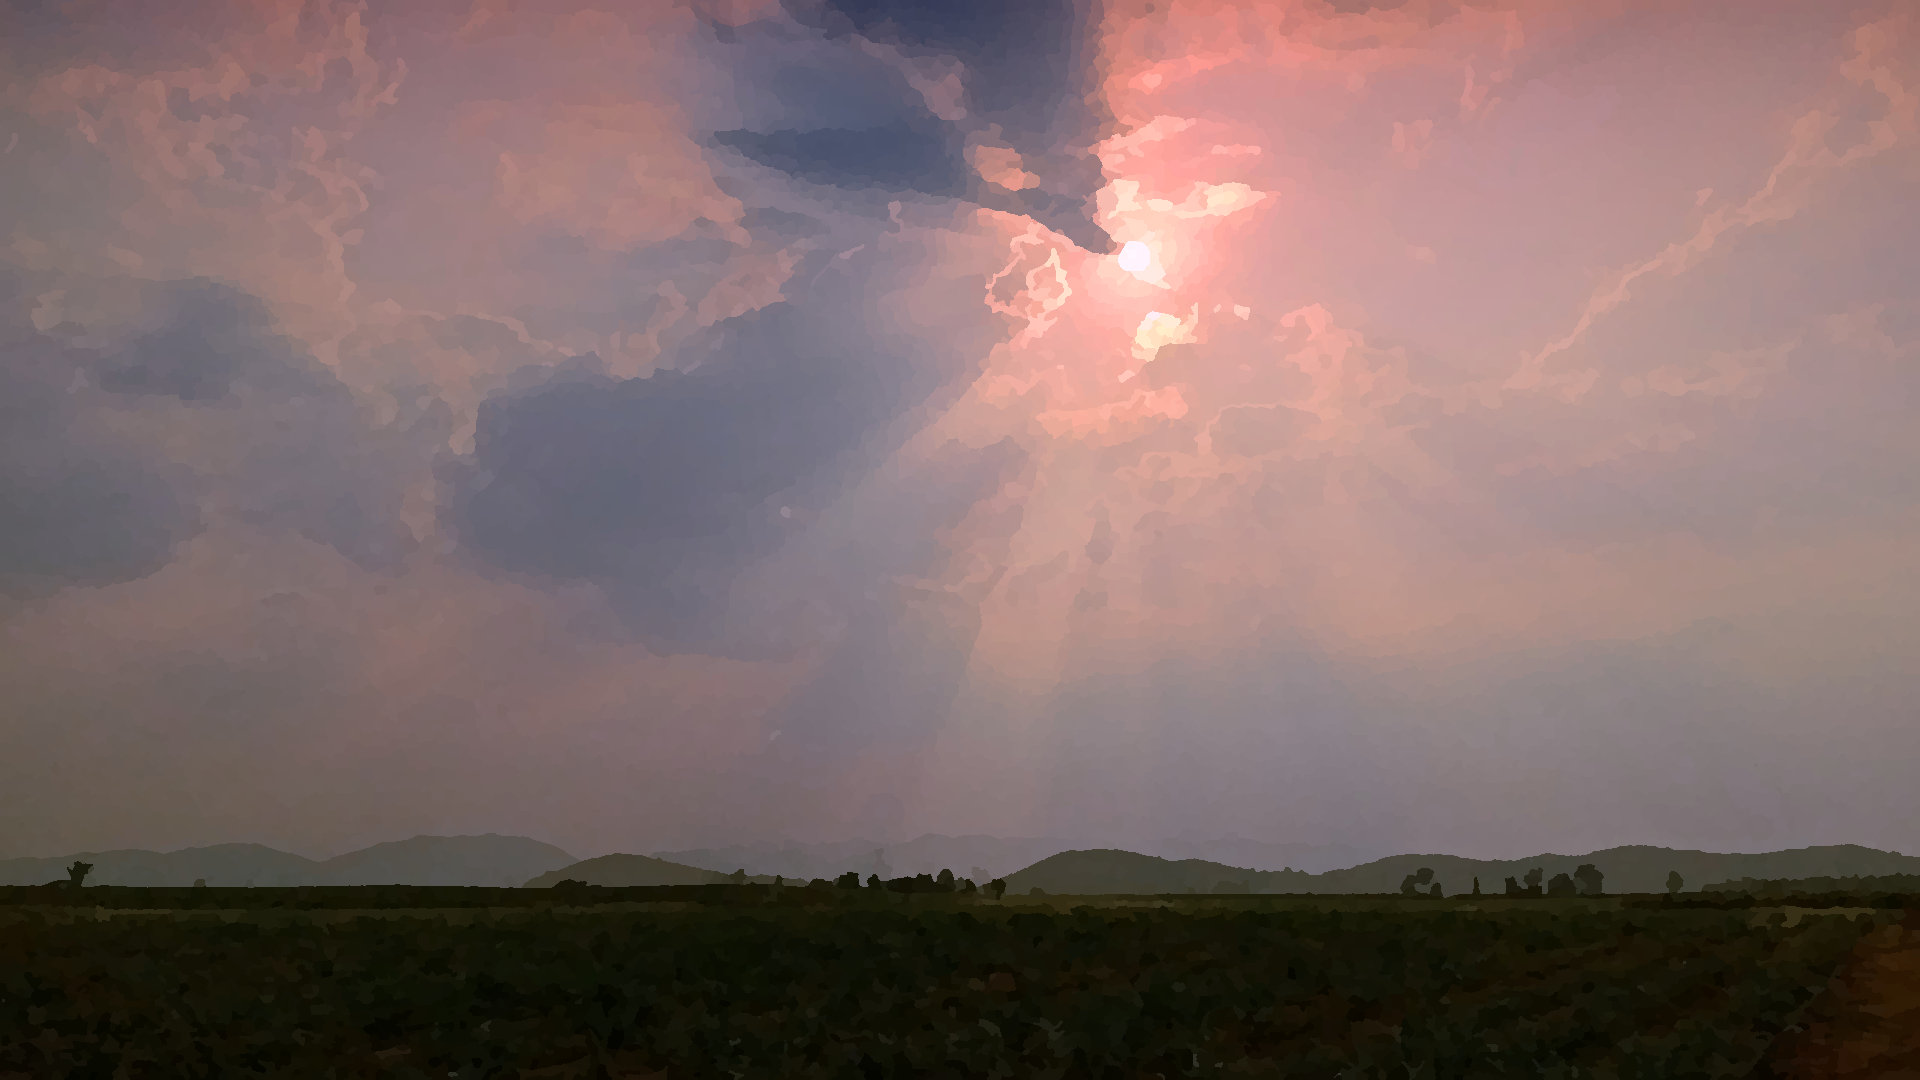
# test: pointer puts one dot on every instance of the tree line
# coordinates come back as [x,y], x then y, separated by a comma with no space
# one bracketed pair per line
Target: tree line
[1586,880]
[943,882]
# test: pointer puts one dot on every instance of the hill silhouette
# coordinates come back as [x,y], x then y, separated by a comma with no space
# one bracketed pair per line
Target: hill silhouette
[630,871]
[491,860]
[218,864]
[1110,871]
[985,857]
[1632,868]
[423,860]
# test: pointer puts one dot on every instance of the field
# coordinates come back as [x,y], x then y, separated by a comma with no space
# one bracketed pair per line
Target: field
[750,983]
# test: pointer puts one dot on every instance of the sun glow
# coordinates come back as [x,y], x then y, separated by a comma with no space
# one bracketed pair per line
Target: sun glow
[1135,256]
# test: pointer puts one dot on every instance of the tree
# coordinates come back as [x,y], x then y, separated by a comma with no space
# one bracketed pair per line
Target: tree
[848,880]
[77,873]
[944,882]
[1513,887]
[1416,883]
[1675,882]
[997,888]
[740,877]
[873,881]
[1561,885]
[1476,886]
[1533,881]
[967,887]
[1589,878]
[1435,891]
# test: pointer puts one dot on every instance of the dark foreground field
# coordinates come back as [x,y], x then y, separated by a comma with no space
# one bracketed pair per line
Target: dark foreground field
[220,983]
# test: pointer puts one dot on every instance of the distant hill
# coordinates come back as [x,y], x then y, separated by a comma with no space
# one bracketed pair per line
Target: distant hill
[1113,872]
[1636,868]
[423,860]
[1633,868]
[492,860]
[627,871]
[220,864]
[1238,851]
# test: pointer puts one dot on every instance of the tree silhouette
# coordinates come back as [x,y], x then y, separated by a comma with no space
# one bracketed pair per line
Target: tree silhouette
[848,880]
[1415,883]
[945,881]
[1476,886]
[1675,882]
[77,873]
[1561,885]
[873,881]
[1435,891]
[1589,878]
[997,888]
[1513,887]
[740,877]
[1533,881]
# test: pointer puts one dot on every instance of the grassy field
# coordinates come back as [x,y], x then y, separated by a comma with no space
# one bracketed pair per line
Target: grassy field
[804,983]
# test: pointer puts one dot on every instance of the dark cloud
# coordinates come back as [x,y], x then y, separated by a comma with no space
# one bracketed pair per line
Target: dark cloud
[855,123]
[900,156]
[662,487]
[202,337]
[279,441]
[78,505]
[1026,59]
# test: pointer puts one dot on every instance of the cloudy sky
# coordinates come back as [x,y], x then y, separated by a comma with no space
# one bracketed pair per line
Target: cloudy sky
[1483,427]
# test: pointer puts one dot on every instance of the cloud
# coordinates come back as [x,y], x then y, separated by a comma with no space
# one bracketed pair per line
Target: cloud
[663,487]
[1818,144]
[722,415]
[897,157]
[1022,71]
[251,426]
[79,505]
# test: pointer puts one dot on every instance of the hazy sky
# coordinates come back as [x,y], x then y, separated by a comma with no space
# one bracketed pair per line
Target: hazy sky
[641,425]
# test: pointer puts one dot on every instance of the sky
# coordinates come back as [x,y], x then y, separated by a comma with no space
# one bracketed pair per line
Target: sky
[1483,428]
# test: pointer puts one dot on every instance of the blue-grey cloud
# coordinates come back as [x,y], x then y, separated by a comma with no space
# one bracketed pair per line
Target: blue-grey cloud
[281,443]
[903,156]
[844,119]
[661,488]
[78,504]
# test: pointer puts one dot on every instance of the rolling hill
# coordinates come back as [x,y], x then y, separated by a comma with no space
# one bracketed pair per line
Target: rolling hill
[628,871]
[493,860]
[424,860]
[219,864]
[1634,868]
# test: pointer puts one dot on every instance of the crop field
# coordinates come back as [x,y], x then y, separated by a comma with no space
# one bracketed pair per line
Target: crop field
[198,984]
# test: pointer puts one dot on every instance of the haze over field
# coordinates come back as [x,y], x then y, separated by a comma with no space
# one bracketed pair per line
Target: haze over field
[711,427]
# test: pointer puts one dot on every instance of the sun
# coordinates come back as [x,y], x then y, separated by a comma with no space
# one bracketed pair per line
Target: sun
[1135,256]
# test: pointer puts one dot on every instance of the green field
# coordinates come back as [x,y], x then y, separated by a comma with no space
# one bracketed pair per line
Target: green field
[806,983]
